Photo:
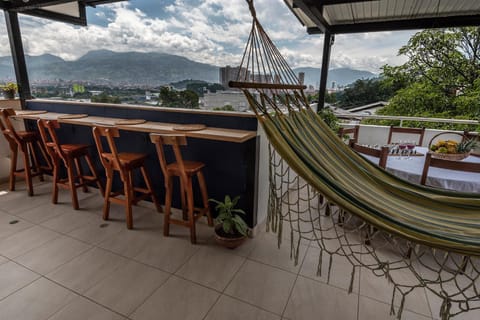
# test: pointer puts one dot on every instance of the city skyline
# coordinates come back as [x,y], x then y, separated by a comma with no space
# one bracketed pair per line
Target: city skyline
[210,31]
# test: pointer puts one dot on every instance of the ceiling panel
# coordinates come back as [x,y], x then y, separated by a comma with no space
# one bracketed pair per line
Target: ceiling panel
[382,15]
[69,9]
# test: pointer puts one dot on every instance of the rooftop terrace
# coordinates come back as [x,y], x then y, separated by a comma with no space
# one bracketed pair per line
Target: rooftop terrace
[58,263]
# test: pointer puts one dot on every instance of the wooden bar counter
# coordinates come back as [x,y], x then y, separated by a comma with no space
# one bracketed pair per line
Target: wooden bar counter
[210,133]
[227,142]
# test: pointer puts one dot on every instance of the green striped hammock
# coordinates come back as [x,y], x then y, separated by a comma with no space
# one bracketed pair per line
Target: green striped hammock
[321,190]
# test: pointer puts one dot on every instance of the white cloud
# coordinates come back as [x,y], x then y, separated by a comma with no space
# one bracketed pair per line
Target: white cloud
[209,31]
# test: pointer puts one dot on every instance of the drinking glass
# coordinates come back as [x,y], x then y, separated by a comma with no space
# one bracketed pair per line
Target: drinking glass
[410,147]
[402,146]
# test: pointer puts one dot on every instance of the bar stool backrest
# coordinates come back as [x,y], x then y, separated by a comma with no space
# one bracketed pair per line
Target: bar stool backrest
[175,141]
[50,139]
[411,131]
[109,157]
[7,127]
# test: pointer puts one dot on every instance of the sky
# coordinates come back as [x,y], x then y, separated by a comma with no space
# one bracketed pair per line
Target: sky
[208,31]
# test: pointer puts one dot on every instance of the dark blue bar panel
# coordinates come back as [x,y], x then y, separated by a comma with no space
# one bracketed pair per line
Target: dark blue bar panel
[230,167]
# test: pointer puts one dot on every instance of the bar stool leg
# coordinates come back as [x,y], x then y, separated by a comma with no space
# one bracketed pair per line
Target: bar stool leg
[13,165]
[183,196]
[168,205]
[28,176]
[203,191]
[128,191]
[71,183]
[35,162]
[56,178]
[94,173]
[108,191]
[83,182]
[44,155]
[191,216]
[148,183]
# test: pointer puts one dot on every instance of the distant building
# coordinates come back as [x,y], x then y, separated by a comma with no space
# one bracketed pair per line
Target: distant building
[229,73]
[368,109]
[301,77]
[219,99]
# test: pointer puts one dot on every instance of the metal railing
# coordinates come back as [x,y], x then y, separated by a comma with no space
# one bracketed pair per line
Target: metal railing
[405,118]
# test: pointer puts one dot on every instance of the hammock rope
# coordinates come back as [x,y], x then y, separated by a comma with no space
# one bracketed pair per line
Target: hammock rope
[417,237]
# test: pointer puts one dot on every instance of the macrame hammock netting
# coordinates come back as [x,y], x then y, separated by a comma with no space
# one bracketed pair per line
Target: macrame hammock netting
[418,238]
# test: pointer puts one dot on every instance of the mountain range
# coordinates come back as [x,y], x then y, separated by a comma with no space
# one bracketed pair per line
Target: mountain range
[144,69]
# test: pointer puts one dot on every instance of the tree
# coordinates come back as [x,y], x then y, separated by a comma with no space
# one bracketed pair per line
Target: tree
[227,107]
[105,98]
[364,92]
[178,99]
[440,78]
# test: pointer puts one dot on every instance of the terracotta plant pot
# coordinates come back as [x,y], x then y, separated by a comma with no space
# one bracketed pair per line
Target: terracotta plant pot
[8,94]
[227,240]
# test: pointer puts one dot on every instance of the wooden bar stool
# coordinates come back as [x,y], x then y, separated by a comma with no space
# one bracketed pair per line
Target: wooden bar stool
[185,170]
[25,141]
[70,155]
[124,163]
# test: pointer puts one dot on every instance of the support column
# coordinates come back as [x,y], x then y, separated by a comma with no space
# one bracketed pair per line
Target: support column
[327,45]
[18,56]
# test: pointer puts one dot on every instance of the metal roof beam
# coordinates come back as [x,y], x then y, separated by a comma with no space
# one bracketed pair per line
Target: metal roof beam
[32,4]
[314,14]
[411,24]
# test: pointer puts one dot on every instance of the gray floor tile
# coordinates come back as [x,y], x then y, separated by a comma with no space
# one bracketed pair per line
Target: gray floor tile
[37,301]
[233,309]
[378,288]
[127,287]
[310,299]
[340,273]
[52,254]
[69,221]
[18,201]
[82,309]
[44,212]
[97,231]
[436,303]
[26,240]
[8,226]
[267,252]
[86,270]
[130,243]
[263,286]
[3,260]
[166,253]
[211,267]
[177,299]
[14,277]
[374,310]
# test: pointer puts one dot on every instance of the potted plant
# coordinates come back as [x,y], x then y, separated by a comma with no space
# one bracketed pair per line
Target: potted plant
[230,230]
[9,90]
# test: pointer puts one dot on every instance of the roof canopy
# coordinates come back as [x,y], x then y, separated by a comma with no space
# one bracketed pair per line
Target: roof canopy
[350,16]
[65,11]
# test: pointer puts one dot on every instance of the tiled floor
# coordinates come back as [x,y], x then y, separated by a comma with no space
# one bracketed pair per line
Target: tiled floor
[57,263]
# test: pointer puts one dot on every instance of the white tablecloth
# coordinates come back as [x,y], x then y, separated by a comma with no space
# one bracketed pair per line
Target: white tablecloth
[411,169]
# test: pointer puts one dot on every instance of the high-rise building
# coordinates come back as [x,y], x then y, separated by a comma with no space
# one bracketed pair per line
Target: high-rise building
[301,78]
[229,73]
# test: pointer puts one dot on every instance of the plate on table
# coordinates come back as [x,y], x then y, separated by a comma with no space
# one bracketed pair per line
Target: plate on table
[129,122]
[73,116]
[29,112]
[189,127]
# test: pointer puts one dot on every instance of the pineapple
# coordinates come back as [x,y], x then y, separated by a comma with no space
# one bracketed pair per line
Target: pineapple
[466,145]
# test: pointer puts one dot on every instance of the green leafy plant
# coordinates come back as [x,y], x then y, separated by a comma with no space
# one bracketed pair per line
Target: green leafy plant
[466,145]
[229,216]
[10,87]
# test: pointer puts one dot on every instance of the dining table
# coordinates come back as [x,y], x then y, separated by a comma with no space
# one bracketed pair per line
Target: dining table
[411,167]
